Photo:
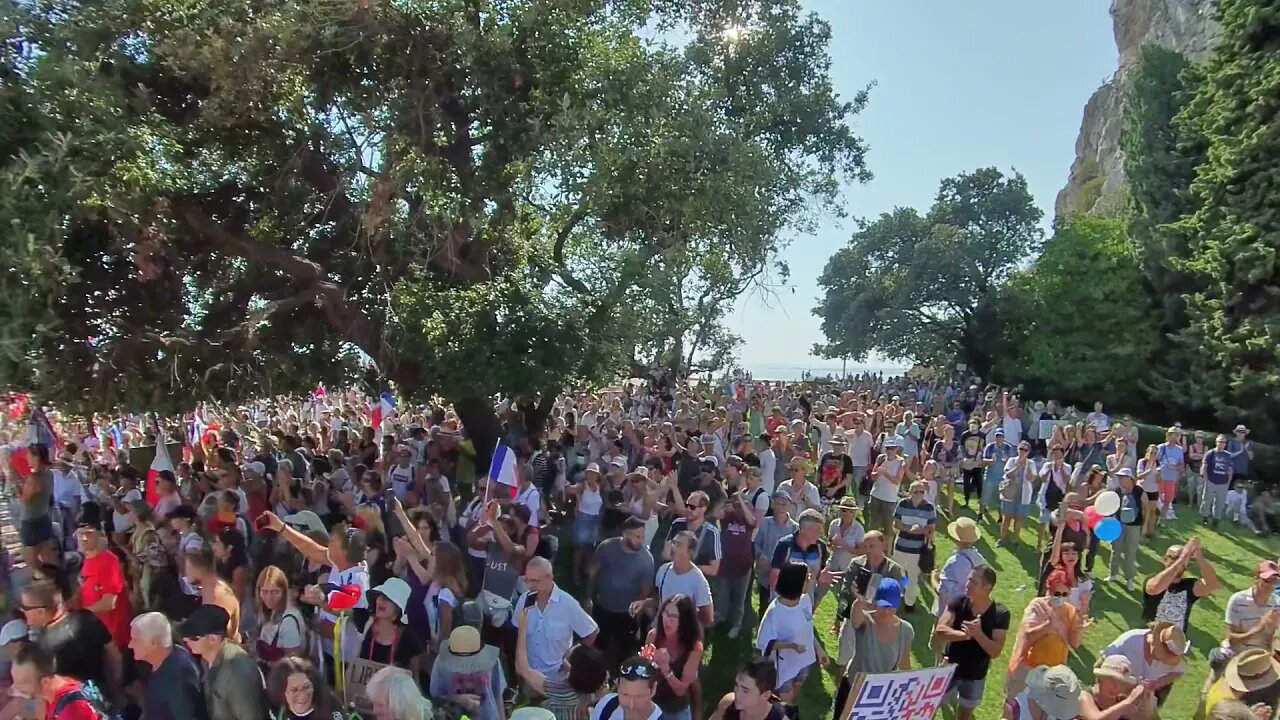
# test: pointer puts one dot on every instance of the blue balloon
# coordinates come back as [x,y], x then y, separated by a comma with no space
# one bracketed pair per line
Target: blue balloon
[1108,530]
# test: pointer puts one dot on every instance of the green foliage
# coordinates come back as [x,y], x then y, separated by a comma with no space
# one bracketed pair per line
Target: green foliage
[1161,154]
[1231,230]
[220,198]
[1083,326]
[925,288]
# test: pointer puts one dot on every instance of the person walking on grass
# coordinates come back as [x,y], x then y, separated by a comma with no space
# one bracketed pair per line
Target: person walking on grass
[915,521]
[1015,491]
[972,632]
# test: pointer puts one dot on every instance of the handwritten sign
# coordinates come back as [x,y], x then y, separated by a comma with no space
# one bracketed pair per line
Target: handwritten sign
[357,676]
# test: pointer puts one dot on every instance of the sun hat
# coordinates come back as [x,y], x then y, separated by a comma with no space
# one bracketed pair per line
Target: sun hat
[619,462]
[1116,667]
[1267,570]
[1055,690]
[964,530]
[397,592]
[1124,472]
[1241,429]
[1252,670]
[1171,644]
[465,653]
[593,467]
[847,503]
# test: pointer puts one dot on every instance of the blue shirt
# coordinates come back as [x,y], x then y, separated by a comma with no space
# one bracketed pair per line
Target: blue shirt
[1240,456]
[1000,452]
[1217,465]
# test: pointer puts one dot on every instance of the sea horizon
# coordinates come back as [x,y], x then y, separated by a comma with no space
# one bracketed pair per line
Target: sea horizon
[795,371]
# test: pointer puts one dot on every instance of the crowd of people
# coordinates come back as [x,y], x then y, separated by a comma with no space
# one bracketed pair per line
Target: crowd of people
[306,563]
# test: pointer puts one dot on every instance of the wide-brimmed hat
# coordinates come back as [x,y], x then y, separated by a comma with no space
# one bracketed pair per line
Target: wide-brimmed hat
[593,467]
[397,592]
[1116,667]
[1170,645]
[964,530]
[1055,690]
[1252,670]
[847,503]
[1241,429]
[465,653]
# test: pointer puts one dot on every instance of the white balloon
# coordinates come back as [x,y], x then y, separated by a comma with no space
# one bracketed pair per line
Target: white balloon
[1107,503]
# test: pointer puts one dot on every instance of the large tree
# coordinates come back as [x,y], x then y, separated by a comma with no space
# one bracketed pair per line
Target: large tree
[925,287]
[1081,324]
[239,197]
[1232,232]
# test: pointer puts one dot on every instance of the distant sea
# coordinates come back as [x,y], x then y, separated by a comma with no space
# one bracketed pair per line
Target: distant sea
[768,371]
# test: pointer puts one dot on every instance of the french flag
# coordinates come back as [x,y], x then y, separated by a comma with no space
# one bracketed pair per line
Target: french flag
[381,411]
[502,472]
[162,461]
[39,432]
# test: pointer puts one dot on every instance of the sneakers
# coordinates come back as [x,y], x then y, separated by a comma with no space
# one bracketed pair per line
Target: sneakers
[1111,579]
[1128,585]
[734,632]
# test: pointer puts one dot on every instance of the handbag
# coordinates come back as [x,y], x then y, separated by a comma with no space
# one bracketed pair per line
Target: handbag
[928,559]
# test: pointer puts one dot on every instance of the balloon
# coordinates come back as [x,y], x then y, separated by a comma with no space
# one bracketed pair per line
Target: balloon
[1108,503]
[1108,530]
[1092,522]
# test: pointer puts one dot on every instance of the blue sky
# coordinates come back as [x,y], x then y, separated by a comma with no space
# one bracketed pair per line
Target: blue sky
[959,85]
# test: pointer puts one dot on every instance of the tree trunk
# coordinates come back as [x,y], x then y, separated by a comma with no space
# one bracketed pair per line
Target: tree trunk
[483,427]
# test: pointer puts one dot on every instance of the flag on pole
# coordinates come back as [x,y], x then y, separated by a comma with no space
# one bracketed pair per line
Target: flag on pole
[162,461]
[502,472]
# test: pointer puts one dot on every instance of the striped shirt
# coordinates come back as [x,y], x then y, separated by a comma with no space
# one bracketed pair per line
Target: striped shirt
[907,515]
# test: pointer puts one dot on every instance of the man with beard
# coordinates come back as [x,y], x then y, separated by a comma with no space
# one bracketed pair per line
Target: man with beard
[628,577]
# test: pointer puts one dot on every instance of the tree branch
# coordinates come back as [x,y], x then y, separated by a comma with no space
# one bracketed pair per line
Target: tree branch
[557,250]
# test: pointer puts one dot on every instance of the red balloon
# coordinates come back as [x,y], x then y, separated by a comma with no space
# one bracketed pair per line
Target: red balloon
[1094,520]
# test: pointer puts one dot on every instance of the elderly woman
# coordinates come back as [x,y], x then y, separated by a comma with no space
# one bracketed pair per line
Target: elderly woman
[395,696]
[1117,694]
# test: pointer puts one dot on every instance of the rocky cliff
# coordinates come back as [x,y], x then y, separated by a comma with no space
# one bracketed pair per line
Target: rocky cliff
[1097,175]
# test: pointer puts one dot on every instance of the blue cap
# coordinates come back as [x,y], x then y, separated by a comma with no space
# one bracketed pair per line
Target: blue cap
[889,594]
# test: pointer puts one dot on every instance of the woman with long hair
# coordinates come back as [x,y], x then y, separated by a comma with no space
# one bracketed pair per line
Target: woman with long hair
[586,524]
[36,495]
[676,644]
[1148,480]
[946,452]
[232,555]
[281,628]
[1115,461]
[150,572]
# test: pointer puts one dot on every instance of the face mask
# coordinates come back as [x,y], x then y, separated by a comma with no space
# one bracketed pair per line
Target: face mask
[1057,601]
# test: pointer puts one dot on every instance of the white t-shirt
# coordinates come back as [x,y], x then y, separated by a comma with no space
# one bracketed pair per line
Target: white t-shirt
[768,466]
[1012,430]
[782,623]
[531,499]
[883,489]
[1244,613]
[810,499]
[693,583]
[1132,644]
[859,447]
[437,597]
[597,713]
[286,634]
[357,575]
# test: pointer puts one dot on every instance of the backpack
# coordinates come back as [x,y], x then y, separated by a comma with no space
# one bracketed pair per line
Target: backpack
[91,695]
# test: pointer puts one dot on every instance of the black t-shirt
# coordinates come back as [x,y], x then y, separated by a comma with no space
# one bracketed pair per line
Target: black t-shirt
[1172,605]
[77,643]
[407,647]
[173,691]
[827,469]
[972,662]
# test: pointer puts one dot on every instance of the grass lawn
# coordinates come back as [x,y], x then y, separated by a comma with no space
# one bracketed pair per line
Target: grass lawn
[1232,550]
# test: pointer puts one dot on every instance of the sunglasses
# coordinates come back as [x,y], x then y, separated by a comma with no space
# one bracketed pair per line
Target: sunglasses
[638,671]
[1062,594]
[692,506]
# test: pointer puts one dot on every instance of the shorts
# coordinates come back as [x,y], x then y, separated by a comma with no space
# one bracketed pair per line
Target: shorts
[968,693]
[36,531]
[586,529]
[1153,496]
[794,683]
[1010,508]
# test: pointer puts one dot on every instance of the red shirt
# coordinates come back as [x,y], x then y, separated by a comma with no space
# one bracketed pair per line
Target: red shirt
[102,575]
[78,709]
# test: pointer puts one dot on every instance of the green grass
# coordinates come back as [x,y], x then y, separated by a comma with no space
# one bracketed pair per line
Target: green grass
[1232,550]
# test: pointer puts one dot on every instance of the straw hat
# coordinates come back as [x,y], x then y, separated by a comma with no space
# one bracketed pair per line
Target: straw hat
[1116,667]
[465,653]
[1252,670]
[847,503]
[964,530]
[1169,645]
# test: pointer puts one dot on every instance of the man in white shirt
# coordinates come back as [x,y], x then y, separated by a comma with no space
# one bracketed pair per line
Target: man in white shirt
[768,462]
[554,617]
[860,444]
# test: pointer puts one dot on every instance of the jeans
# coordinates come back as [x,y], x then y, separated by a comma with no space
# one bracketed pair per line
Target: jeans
[1214,503]
[1124,551]
[729,596]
